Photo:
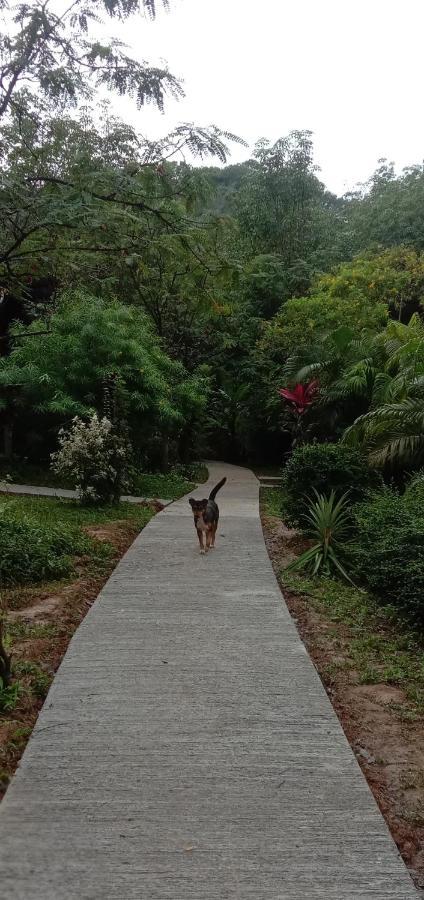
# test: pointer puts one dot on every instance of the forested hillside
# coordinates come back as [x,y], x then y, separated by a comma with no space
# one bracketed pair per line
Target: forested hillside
[200,290]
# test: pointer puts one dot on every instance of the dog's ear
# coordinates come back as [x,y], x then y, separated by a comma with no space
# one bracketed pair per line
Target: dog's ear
[191,502]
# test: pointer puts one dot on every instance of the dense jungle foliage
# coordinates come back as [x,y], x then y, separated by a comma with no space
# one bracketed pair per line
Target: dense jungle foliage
[196,291]
[205,309]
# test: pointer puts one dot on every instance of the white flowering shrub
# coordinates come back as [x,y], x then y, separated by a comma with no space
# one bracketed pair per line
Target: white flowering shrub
[96,458]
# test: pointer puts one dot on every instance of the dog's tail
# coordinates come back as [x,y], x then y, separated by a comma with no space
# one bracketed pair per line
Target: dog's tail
[217,488]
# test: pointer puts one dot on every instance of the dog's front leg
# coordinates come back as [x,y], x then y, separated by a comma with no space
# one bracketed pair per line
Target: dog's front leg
[200,536]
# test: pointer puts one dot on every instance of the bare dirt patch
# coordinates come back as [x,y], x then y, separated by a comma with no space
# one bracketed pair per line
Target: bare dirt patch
[385,734]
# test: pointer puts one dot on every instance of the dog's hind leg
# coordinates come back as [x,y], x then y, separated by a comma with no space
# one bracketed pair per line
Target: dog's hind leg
[214,528]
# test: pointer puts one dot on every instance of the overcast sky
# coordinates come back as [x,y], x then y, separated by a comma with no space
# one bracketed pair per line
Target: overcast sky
[349,70]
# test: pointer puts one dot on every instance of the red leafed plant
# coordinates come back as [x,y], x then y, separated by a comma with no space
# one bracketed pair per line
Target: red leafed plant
[301,397]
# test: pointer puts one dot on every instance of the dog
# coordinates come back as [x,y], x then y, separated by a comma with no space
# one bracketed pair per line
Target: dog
[206,517]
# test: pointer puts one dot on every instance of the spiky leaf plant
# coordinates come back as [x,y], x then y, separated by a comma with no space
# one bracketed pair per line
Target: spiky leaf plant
[328,520]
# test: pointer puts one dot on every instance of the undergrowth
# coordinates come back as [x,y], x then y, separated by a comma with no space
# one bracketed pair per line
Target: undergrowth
[40,538]
[381,647]
[378,643]
[175,484]
[172,486]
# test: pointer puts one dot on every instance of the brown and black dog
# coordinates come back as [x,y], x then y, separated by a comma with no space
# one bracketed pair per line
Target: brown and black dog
[206,516]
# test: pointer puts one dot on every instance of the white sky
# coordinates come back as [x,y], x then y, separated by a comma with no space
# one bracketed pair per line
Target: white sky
[349,70]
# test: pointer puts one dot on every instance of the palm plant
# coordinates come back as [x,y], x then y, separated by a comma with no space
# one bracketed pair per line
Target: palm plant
[328,520]
[346,366]
[392,431]
[377,384]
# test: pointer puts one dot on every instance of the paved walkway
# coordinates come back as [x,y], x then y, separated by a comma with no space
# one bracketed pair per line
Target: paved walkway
[34,490]
[187,749]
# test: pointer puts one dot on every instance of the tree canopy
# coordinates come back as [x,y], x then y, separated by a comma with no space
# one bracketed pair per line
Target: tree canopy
[201,289]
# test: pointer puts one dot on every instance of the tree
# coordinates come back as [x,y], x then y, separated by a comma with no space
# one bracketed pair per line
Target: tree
[69,187]
[284,209]
[60,175]
[57,54]
[387,211]
[60,366]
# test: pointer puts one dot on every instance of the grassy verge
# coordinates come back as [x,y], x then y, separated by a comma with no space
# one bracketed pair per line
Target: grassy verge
[172,486]
[382,647]
[68,513]
[273,503]
[371,662]
[73,552]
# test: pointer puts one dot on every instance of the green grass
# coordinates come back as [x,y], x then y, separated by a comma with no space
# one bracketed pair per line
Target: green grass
[166,487]
[382,648]
[171,486]
[40,537]
[39,679]
[25,631]
[57,511]
[178,482]
[273,502]
[9,696]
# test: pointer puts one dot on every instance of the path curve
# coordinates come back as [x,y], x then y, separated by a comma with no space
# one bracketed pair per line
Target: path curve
[187,749]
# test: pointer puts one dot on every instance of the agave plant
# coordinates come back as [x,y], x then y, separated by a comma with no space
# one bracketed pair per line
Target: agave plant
[328,520]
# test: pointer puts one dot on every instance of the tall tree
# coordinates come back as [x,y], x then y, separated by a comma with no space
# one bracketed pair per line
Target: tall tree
[284,209]
[59,55]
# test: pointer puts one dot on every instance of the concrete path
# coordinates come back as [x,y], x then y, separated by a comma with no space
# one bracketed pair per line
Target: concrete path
[187,749]
[34,490]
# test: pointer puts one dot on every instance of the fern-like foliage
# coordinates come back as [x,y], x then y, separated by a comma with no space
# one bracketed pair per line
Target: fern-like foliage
[55,52]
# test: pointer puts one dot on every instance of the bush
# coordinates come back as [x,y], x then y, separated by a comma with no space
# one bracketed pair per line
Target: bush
[415,491]
[324,468]
[96,457]
[387,554]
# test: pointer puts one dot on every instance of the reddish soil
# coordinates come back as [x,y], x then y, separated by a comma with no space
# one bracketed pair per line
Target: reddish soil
[388,744]
[44,618]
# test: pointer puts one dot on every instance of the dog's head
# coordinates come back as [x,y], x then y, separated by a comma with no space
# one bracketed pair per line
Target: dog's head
[198,507]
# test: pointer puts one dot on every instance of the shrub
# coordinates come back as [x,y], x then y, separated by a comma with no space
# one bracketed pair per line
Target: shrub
[324,468]
[415,490]
[9,696]
[328,521]
[387,554]
[31,552]
[96,457]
